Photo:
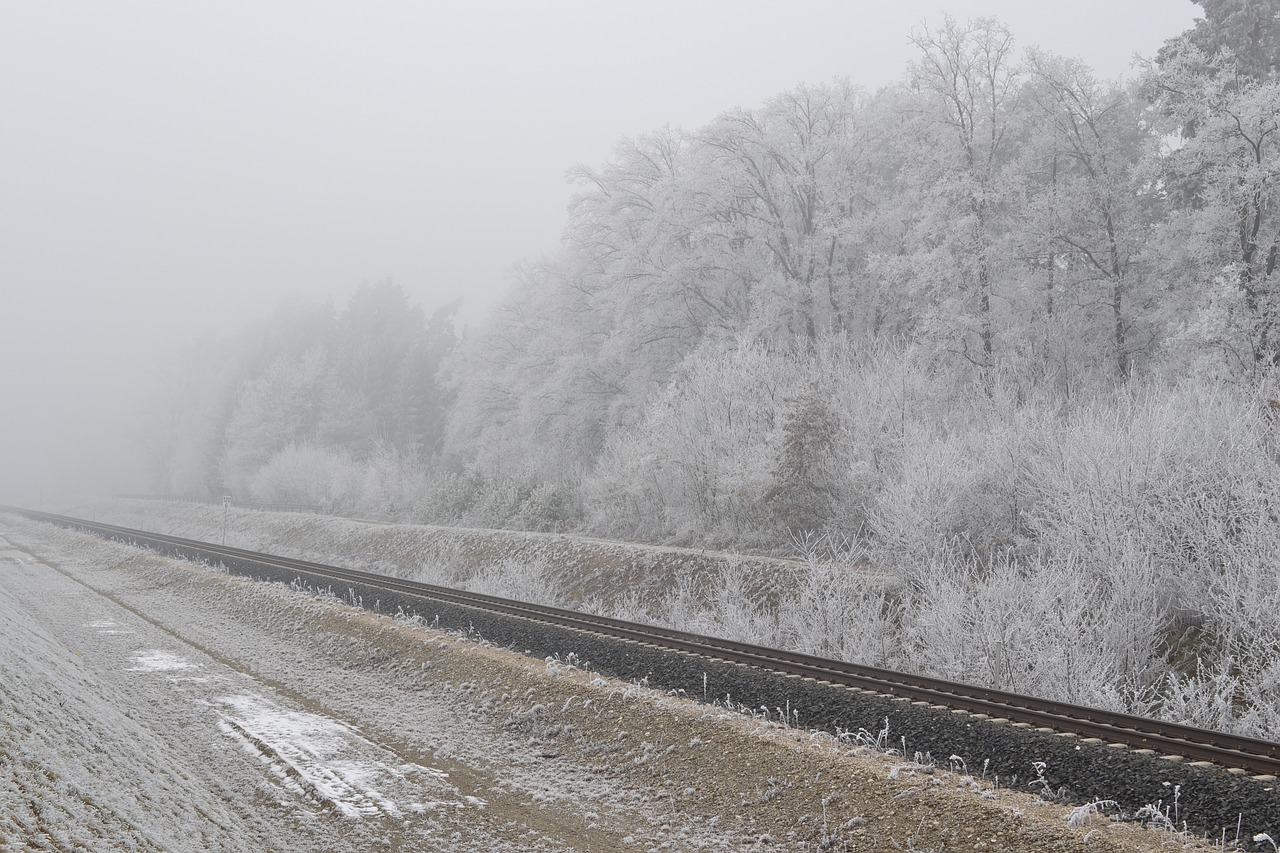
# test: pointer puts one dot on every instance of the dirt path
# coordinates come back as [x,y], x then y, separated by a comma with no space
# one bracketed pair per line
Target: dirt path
[156,705]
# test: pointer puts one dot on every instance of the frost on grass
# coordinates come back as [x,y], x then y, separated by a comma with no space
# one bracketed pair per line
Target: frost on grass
[1084,814]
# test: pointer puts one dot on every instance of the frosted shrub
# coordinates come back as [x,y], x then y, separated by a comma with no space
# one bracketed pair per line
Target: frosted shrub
[920,516]
[721,605]
[826,609]
[442,561]
[497,500]
[624,497]
[530,579]
[881,397]
[447,499]
[385,485]
[1167,497]
[1033,626]
[1183,471]
[699,463]
[749,443]
[548,507]
[307,474]
[391,484]
[477,499]
[684,606]
[1231,694]
[627,606]
[1235,682]
[958,488]
[741,612]
[1206,697]
[834,612]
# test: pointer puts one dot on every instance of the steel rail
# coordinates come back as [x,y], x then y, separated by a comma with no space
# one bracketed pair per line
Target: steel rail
[1250,754]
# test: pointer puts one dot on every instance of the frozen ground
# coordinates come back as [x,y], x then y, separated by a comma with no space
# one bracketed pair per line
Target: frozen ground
[149,704]
[117,733]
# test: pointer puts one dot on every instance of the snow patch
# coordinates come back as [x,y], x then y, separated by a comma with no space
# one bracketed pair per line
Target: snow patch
[157,660]
[328,762]
[106,626]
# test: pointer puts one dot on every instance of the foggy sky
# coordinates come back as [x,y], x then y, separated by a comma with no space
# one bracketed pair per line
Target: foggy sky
[167,170]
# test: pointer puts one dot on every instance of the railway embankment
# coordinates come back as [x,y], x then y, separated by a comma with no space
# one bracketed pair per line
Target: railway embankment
[589,762]
[574,569]
[1165,788]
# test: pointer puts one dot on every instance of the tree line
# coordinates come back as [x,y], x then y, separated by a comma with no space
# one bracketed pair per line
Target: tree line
[1004,329]
[995,219]
[302,406]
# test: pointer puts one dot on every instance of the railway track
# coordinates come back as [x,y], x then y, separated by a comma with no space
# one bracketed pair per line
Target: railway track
[1162,738]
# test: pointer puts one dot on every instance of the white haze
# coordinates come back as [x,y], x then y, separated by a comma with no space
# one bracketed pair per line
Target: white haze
[174,169]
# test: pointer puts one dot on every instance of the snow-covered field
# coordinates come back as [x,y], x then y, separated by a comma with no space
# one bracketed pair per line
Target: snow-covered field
[150,704]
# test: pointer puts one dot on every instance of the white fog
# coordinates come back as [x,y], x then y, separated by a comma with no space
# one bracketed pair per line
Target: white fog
[176,171]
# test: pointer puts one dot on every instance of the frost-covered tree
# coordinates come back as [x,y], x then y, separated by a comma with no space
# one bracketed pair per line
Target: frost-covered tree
[699,462]
[365,382]
[1091,199]
[283,406]
[1220,184]
[1247,30]
[538,390]
[680,242]
[965,85]
[386,354]
[784,184]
